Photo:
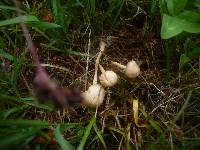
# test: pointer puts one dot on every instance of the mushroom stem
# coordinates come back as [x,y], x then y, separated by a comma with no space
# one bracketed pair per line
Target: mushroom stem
[102,69]
[102,49]
[118,65]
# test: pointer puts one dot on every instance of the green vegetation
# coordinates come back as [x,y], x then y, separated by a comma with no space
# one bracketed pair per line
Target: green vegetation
[162,35]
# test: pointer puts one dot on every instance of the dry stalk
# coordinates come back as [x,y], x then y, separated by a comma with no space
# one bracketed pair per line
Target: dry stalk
[102,49]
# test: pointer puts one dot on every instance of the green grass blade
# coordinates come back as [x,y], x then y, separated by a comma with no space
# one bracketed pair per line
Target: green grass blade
[155,125]
[92,7]
[24,123]
[8,112]
[6,55]
[27,100]
[9,141]
[121,4]
[67,126]
[4,7]
[18,20]
[87,133]
[99,134]
[59,14]
[183,107]
[65,145]
[44,25]
[68,51]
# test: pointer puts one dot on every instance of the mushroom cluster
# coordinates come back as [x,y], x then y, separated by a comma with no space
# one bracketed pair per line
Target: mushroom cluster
[95,94]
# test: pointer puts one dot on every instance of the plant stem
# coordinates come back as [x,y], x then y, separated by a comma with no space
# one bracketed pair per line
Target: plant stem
[102,49]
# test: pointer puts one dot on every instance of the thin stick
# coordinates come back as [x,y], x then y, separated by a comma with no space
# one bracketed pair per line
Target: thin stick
[87,65]
[57,67]
[102,49]
[27,36]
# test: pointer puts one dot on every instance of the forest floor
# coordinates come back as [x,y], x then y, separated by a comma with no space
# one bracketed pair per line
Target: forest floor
[169,100]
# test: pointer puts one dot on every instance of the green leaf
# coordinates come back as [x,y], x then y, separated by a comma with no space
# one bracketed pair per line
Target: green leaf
[9,141]
[18,20]
[8,112]
[59,13]
[99,134]
[179,6]
[27,100]
[143,112]
[155,125]
[183,60]
[170,6]
[175,6]
[86,134]
[181,111]
[194,53]
[153,7]
[191,27]
[6,55]
[4,7]
[68,51]
[92,7]
[65,145]
[24,123]
[44,25]
[171,26]
[190,16]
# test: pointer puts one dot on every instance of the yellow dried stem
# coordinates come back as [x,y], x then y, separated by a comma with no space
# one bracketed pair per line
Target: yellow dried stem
[135,113]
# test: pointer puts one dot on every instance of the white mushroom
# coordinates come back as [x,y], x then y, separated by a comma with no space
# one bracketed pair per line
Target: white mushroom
[131,70]
[94,96]
[107,78]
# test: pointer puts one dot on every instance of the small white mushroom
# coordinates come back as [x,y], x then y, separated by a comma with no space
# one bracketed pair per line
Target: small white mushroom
[131,70]
[94,96]
[107,78]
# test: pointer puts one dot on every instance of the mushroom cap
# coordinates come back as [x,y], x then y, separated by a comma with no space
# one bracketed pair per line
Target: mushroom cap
[94,96]
[108,79]
[132,69]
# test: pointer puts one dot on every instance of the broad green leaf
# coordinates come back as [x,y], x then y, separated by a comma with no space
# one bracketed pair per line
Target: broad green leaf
[183,60]
[197,4]
[179,6]
[65,145]
[18,20]
[44,25]
[191,27]
[175,6]
[86,134]
[155,125]
[194,53]
[170,6]
[190,16]
[171,26]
